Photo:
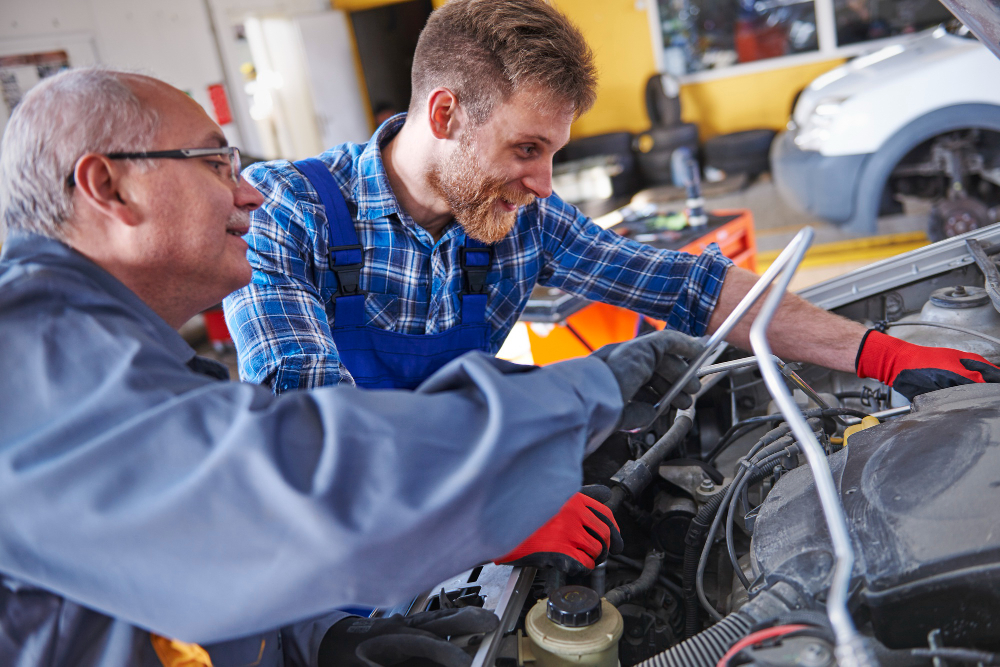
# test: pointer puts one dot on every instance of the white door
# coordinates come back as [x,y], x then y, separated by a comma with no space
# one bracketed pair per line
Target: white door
[338,97]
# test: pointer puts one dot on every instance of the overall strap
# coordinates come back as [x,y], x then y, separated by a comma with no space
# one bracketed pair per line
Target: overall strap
[345,254]
[475,258]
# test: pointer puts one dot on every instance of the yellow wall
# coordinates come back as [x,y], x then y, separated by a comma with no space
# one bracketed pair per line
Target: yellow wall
[358,5]
[748,101]
[619,34]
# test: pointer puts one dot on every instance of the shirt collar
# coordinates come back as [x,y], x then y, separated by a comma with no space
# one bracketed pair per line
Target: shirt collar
[372,192]
[34,248]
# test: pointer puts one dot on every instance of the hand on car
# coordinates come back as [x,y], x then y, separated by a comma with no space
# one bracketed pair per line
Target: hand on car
[364,642]
[912,369]
[646,367]
[576,539]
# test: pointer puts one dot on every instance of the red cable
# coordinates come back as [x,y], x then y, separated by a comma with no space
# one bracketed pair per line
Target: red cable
[758,637]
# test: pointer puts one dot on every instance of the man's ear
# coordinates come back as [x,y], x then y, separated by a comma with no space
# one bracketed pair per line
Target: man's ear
[99,185]
[444,113]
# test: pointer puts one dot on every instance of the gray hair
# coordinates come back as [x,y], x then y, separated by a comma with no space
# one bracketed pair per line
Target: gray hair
[66,116]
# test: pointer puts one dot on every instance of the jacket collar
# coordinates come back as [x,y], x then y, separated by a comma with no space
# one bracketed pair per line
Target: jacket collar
[33,249]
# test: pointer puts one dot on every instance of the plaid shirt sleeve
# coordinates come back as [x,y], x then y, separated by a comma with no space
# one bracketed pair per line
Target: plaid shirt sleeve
[279,321]
[600,265]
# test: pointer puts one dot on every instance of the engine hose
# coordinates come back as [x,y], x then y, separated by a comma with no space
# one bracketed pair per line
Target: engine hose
[705,649]
[755,474]
[650,571]
[692,550]
[695,538]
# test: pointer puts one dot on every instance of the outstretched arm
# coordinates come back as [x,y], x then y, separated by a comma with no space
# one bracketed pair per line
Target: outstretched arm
[799,331]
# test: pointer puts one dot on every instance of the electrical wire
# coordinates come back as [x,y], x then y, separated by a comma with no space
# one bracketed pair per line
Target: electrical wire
[731,514]
[957,655]
[699,580]
[731,436]
[777,435]
[758,637]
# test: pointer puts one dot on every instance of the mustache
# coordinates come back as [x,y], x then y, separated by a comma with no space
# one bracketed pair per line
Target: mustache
[238,220]
[491,189]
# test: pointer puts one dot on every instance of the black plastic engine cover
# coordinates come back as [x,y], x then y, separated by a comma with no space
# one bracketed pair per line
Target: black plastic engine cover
[922,496]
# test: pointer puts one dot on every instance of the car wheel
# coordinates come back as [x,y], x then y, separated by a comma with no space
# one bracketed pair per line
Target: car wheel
[951,217]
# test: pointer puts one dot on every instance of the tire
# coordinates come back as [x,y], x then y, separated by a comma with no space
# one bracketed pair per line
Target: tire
[662,107]
[659,139]
[616,144]
[740,152]
[655,146]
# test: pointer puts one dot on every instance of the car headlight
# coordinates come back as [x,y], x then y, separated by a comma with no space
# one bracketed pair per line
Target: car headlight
[815,130]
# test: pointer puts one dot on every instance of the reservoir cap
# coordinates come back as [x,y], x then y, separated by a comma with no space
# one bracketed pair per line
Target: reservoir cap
[574,607]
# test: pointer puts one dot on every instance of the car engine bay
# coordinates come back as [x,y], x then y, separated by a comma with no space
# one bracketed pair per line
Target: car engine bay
[728,558]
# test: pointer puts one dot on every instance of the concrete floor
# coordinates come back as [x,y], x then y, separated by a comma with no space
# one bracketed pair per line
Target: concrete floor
[776,224]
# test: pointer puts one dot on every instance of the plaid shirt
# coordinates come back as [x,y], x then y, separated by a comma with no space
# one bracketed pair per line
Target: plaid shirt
[281,321]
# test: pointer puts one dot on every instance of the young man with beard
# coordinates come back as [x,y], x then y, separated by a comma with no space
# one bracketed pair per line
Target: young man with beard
[376,263]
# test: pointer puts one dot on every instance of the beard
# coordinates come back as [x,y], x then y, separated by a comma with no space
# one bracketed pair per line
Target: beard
[473,195]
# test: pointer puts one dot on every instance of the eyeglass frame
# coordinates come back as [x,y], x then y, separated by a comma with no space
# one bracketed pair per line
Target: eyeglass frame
[232,152]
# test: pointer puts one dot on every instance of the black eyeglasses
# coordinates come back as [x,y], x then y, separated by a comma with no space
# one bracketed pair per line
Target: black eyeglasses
[232,152]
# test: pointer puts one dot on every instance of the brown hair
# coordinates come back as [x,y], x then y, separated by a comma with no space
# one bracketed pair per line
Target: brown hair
[485,50]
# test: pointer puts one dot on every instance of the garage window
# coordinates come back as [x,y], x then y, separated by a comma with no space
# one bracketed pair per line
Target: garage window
[707,34]
[864,20]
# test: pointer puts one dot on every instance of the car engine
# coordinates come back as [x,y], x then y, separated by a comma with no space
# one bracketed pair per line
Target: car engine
[728,559]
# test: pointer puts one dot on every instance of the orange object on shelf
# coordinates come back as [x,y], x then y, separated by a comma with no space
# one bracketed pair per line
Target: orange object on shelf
[599,324]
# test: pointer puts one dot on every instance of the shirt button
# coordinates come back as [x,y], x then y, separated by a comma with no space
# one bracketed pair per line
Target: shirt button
[436,284]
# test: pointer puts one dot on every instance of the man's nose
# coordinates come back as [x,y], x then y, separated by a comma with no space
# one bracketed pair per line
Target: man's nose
[539,180]
[247,196]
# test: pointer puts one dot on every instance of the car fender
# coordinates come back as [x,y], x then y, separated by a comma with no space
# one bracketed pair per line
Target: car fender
[879,165]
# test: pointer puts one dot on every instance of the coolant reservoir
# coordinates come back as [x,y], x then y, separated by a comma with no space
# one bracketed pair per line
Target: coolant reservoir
[965,307]
[574,626]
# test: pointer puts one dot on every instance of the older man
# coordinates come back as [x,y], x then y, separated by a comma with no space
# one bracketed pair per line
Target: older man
[142,493]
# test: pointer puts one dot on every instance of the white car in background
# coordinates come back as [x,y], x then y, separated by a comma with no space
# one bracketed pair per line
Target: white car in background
[916,119]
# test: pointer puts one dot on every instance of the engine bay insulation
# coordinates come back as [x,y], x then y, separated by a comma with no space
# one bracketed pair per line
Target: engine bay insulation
[921,495]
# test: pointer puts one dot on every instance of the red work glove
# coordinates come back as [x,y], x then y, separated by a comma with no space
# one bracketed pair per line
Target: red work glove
[576,539]
[914,369]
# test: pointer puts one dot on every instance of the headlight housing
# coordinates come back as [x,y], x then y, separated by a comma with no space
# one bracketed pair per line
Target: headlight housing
[815,129]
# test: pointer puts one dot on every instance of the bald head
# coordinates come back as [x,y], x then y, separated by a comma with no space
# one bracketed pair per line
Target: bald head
[73,113]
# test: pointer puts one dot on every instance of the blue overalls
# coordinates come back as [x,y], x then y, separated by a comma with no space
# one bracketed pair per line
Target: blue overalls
[378,358]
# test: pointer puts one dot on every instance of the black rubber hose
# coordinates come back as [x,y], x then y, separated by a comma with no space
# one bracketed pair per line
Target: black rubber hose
[706,648]
[755,475]
[767,457]
[674,589]
[765,465]
[673,437]
[650,571]
[695,538]
[634,476]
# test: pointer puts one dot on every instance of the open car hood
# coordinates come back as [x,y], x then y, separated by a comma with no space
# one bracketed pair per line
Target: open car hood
[982,17]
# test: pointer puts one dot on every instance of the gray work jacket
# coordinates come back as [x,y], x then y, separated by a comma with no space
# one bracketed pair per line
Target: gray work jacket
[137,494]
